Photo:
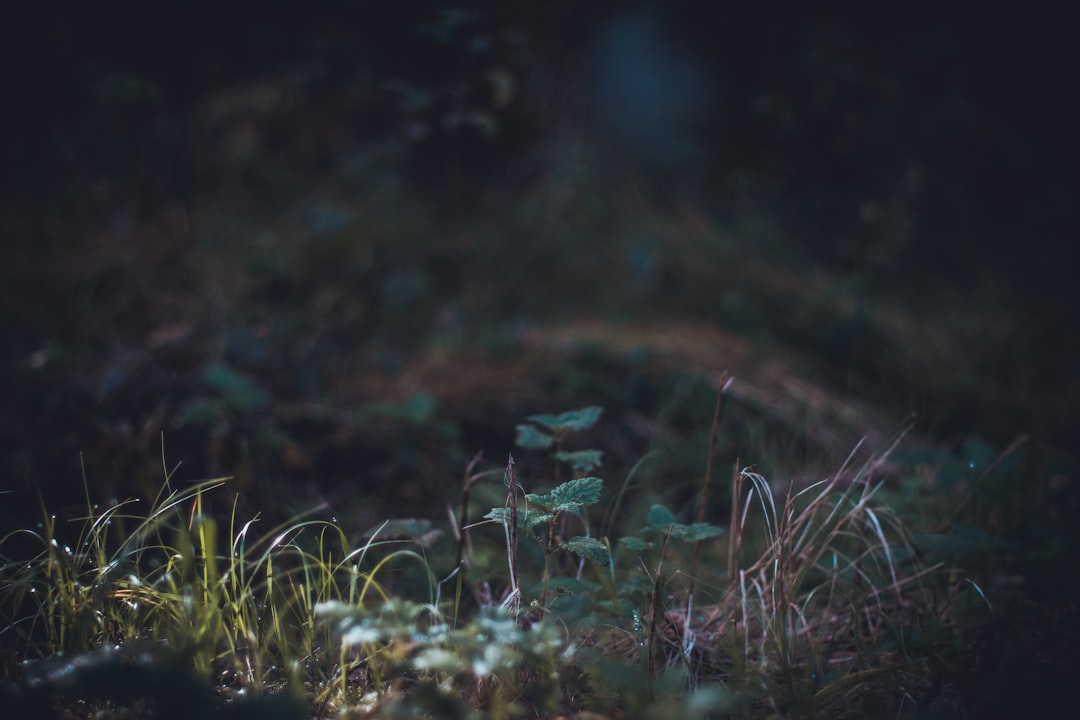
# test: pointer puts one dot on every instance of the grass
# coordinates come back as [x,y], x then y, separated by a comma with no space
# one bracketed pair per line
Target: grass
[811,603]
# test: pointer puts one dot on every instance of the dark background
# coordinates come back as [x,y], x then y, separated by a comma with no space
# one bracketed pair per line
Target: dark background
[317,200]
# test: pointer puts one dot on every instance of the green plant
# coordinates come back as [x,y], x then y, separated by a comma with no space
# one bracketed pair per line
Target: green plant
[817,598]
[550,432]
[567,499]
[545,511]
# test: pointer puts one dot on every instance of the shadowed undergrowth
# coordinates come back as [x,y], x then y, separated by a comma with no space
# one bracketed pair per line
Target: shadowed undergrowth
[812,602]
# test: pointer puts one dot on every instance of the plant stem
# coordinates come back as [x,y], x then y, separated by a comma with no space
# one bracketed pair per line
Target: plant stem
[725,380]
[514,600]
[734,531]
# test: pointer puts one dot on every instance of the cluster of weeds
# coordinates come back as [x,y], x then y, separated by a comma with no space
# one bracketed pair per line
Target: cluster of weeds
[803,605]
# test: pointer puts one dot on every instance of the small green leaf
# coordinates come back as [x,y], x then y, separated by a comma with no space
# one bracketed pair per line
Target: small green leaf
[581,419]
[544,501]
[660,518]
[532,438]
[582,461]
[533,519]
[589,548]
[498,514]
[526,519]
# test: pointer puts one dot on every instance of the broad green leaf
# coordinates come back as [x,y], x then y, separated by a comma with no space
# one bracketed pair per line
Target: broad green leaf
[534,518]
[581,419]
[525,519]
[568,497]
[582,461]
[530,437]
[588,547]
[660,518]
[545,501]
[498,514]
[574,493]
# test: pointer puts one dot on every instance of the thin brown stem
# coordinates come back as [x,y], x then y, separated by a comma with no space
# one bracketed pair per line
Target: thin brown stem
[470,478]
[514,600]
[734,531]
[548,552]
[654,616]
[725,380]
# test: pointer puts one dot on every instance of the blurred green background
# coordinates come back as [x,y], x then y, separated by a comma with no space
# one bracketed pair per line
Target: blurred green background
[335,249]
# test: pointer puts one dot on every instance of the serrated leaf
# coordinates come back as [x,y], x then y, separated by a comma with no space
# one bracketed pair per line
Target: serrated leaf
[499,514]
[574,493]
[530,437]
[525,519]
[660,518]
[534,518]
[581,419]
[582,461]
[589,548]
[694,531]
